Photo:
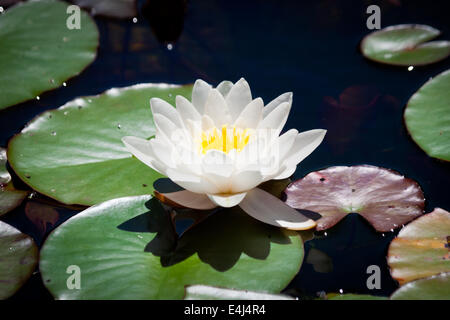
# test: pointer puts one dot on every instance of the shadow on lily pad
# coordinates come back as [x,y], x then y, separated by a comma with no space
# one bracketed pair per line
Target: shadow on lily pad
[219,240]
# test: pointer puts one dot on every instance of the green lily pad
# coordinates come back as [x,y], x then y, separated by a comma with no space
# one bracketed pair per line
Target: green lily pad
[352,296]
[39,52]
[10,197]
[421,249]
[383,197]
[18,258]
[75,155]
[427,116]
[405,45]
[126,249]
[202,292]
[432,288]
[110,8]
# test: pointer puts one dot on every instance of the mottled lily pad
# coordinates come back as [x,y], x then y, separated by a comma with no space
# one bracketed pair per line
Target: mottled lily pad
[405,45]
[427,117]
[18,258]
[201,292]
[421,248]
[39,52]
[110,8]
[126,249]
[383,197]
[10,197]
[75,155]
[432,288]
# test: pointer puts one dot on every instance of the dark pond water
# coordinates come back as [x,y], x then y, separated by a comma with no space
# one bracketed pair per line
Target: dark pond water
[308,47]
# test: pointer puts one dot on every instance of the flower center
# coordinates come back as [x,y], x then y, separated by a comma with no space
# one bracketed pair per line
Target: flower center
[225,140]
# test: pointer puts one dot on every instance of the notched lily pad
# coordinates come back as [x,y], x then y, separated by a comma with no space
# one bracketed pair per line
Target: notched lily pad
[405,45]
[18,258]
[10,197]
[74,154]
[421,248]
[383,197]
[201,292]
[126,249]
[427,116]
[39,52]
[432,288]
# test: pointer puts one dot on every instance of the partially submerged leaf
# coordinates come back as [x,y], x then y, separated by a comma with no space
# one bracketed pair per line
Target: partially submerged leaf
[427,116]
[202,292]
[39,52]
[320,261]
[383,197]
[405,45]
[126,249]
[74,154]
[432,288]
[353,296]
[421,248]
[41,215]
[18,258]
[10,197]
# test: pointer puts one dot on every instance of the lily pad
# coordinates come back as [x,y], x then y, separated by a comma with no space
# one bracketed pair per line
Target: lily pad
[18,257]
[75,155]
[427,116]
[405,45]
[39,52]
[383,197]
[432,288]
[353,296]
[109,8]
[201,292]
[421,249]
[126,249]
[10,198]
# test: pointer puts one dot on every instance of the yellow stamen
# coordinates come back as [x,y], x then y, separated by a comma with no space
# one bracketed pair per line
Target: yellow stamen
[223,140]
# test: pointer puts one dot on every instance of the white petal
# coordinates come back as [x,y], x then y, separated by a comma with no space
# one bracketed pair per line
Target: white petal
[285,172]
[142,150]
[207,123]
[186,110]
[227,201]
[245,180]
[191,182]
[285,97]
[200,93]
[238,97]
[224,87]
[217,162]
[190,199]
[251,116]
[277,118]
[285,142]
[164,126]
[162,107]
[305,143]
[263,206]
[216,108]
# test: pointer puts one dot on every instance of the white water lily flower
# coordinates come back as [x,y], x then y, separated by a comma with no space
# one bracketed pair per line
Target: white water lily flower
[222,145]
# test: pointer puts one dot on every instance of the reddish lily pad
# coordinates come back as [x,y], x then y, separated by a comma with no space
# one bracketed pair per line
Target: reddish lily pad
[383,197]
[10,198]
[18,258]
[421,248]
